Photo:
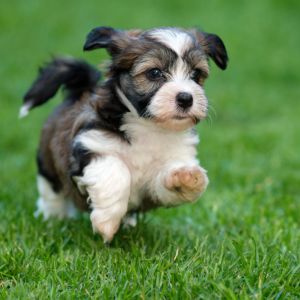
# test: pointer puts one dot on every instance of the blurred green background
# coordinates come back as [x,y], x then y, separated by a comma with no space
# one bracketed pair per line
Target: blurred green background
[241,240]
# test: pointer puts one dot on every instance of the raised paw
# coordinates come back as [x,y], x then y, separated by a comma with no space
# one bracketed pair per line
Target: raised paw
[190,182]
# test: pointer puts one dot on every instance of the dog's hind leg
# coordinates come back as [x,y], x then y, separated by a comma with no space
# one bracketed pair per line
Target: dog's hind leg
[51,203]
[106,180]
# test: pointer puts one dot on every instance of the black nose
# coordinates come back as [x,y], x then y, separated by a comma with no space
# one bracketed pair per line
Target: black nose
[184,100]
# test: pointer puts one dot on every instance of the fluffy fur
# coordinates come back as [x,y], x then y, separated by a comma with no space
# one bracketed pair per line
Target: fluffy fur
[126,144]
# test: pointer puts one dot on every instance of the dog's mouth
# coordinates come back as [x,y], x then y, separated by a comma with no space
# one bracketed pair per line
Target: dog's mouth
[194,119]
[181,117]
[178,120]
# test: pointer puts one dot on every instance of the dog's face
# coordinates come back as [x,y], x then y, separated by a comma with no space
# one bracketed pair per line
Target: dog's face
[161,71]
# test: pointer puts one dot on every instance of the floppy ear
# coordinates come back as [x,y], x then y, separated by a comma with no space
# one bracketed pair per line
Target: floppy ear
[111,39]
[213,47]
[216,50]
[100,37]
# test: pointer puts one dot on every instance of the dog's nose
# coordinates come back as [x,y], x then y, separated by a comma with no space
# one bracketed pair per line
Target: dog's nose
[184,100]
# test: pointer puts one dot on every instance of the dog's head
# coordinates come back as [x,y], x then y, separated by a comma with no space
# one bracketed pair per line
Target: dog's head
[159,73]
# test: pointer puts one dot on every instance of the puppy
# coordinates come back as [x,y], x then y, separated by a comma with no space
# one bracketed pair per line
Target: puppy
[126,144]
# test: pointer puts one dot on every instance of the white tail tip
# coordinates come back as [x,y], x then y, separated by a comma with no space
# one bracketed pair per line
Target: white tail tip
[24,110]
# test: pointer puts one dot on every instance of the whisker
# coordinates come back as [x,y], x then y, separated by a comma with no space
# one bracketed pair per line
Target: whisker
[212,110]
[209,119]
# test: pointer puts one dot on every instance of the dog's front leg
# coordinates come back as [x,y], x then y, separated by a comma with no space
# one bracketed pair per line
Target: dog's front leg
[180,183]
[107,182]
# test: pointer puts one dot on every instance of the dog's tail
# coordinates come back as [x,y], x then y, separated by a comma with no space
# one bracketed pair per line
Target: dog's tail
[75,76]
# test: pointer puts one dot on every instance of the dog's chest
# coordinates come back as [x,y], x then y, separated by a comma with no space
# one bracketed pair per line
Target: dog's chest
[149,149]
[153,149]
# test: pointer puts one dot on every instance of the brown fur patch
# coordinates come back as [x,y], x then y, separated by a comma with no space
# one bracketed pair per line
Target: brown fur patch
[197,60]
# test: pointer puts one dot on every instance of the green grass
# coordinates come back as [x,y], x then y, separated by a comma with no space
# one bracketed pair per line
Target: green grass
[241,240]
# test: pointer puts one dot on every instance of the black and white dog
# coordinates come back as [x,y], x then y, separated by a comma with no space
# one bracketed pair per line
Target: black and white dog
[126,144]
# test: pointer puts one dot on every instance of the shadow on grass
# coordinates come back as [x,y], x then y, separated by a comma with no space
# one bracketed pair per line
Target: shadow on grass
[149,236]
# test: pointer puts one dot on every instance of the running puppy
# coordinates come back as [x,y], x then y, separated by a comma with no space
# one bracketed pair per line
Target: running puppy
[126,144]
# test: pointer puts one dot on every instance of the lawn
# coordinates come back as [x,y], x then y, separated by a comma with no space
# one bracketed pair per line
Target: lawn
[241,240]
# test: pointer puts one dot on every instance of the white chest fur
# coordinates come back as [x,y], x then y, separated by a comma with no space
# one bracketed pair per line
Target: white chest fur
[150,150]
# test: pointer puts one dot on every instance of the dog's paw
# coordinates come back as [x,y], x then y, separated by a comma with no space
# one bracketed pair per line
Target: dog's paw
[107,229]
[190,182]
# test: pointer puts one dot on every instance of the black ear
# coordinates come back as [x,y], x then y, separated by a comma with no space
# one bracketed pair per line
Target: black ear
[100,37]
[216,50]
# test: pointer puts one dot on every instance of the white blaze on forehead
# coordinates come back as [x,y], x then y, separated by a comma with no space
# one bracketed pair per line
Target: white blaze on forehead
[174,39]
[180,71]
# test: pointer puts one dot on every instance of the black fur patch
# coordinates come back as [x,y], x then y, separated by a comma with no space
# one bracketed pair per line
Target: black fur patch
[109,111]
[52,178]
[139,101]
[216,50]
[74,75]
[81,157]
[110,114]
[100,37]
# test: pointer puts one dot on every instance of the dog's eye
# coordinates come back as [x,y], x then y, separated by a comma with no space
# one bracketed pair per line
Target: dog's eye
[154,74]
[197,74]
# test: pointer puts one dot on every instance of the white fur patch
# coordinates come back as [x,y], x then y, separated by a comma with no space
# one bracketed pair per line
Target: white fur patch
[153,150]
[107,182]
[51,204]
[100,142]
[180,72]
[174,39]
[24,110]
